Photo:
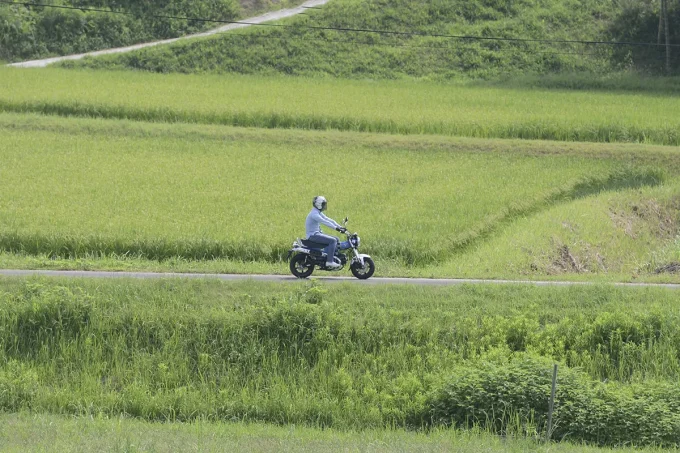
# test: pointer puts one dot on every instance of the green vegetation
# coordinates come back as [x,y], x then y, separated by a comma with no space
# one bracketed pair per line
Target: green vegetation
[35,32]
[345,356]
[305,46]
[395,107]
[46,433]
[632,233]
[612,82]
[195,207]
[639,22]
[602,211]
[38,32]
[99,185]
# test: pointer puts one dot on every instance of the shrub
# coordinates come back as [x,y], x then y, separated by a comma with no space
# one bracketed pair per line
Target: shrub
[503,397]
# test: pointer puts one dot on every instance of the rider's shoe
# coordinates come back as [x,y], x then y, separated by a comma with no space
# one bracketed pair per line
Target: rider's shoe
[333,266]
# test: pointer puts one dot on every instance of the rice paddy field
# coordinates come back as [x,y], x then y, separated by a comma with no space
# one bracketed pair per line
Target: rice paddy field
[87,188]
[125,171]
[397,107]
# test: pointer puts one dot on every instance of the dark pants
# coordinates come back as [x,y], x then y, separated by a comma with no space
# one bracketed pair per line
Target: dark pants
[331,242]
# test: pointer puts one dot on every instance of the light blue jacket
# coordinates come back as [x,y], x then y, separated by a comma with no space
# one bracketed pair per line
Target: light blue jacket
[314,221]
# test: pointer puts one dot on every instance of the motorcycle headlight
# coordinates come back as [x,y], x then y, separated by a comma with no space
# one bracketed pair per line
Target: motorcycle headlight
[355,240]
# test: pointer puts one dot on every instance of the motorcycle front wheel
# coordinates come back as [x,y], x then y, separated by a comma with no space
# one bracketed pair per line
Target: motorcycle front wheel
[300,266]
[362,273]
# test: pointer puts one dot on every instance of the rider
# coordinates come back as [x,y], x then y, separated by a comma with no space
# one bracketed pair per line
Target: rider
[313,225]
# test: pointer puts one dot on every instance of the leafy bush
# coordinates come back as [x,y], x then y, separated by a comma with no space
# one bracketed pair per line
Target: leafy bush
[514,396]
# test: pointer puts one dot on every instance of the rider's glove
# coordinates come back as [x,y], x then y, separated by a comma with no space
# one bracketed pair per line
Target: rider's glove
[341,229]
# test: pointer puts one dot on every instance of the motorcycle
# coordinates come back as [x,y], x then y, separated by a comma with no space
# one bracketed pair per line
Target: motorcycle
[306,255]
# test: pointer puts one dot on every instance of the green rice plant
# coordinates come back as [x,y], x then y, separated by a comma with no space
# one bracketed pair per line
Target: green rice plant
[99,188]
[396,107]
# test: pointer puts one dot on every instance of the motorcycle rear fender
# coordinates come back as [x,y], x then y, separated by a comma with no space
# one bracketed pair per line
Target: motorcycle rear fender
[296,249]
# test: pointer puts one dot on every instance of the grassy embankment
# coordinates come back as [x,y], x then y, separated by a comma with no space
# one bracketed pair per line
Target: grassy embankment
[347,357]
[395,107]
[118,190]
[296,50]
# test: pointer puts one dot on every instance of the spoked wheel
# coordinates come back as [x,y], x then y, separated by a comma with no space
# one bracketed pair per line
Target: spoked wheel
[362,273]
[300,266]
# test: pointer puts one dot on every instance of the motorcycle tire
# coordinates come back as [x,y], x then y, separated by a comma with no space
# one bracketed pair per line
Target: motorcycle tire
[362,273]
[300,266]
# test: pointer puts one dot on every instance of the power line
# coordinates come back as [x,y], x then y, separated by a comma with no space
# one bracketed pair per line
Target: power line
[352,30]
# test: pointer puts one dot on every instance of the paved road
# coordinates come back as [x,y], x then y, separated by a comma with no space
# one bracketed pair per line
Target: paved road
[274,15]
[288,278]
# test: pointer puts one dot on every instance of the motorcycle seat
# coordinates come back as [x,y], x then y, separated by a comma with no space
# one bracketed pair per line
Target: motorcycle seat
[312,244]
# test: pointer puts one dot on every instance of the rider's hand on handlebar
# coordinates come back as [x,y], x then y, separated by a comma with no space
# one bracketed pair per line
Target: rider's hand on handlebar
[342,229]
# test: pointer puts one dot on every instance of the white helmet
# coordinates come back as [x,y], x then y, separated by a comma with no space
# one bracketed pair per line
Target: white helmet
[320,203]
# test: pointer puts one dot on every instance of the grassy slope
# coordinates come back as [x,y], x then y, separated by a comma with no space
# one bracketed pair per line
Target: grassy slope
[38,433]
[395,107]
[343,356]
[625,235]
[298,51]
[163,210]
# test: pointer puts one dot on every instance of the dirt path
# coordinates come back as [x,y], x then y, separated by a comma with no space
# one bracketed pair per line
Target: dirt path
[288,278]
[268,17]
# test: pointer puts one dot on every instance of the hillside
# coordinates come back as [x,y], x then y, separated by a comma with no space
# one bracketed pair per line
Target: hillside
[306,45]
[36,32]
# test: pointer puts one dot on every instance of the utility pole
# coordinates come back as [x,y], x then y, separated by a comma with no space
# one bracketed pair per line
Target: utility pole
[663,24]
[658,39]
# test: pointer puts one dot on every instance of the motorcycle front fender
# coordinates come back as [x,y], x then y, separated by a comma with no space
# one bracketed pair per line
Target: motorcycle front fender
[360,257]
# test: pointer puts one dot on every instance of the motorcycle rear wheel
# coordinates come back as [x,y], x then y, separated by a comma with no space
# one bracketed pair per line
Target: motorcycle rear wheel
[362,273]
[300,266]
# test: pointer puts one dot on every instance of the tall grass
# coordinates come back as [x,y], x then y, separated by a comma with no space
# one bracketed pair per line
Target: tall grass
[367,106]
[79,188]
[342,356]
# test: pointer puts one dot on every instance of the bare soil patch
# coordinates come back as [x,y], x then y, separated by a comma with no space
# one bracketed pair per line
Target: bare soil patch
[661,218]
[578,258]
